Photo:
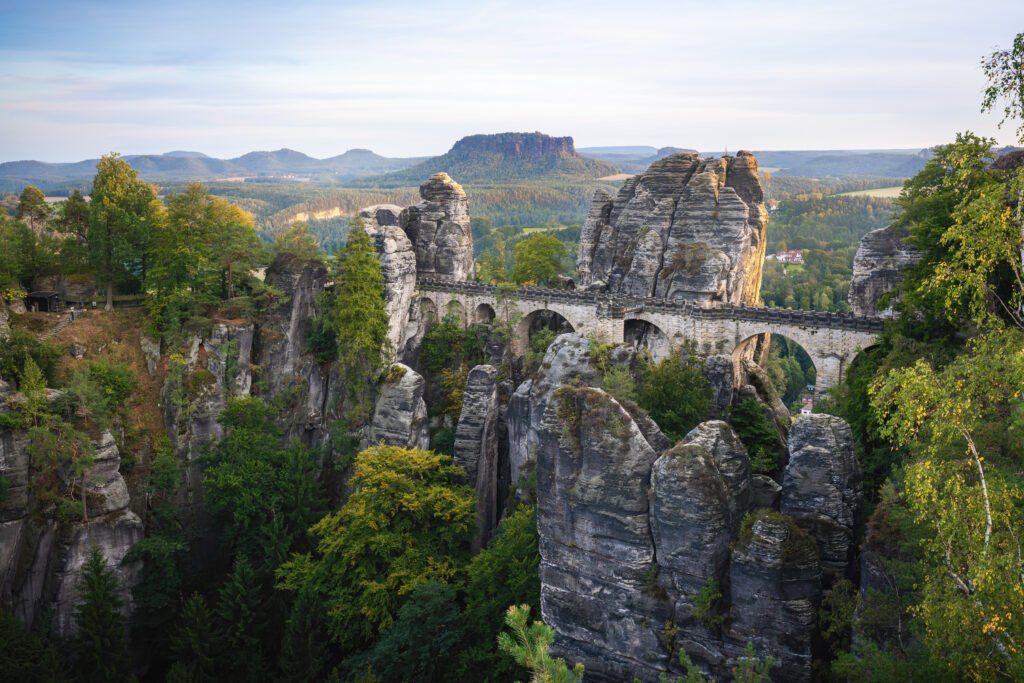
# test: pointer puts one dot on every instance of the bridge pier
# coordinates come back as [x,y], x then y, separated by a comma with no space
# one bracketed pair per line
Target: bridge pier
[830,370]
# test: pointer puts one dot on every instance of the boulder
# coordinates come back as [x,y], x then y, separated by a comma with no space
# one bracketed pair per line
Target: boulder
[878,267]
[400,416]
[822,487]
[476,446]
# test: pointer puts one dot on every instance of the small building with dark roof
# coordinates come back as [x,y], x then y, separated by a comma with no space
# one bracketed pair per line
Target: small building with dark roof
[43,302]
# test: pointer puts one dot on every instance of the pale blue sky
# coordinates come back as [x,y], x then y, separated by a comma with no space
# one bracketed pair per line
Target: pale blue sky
[409,78]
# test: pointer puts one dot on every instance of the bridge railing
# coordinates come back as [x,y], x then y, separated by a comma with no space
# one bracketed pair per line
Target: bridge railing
[623,306]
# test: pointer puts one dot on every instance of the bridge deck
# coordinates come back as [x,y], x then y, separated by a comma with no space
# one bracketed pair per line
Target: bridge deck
[622,306]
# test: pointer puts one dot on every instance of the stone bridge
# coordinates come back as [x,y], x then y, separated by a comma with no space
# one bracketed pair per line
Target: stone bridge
[832,340]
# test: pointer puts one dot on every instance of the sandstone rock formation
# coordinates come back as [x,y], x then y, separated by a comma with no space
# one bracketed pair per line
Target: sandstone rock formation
[566,360]
[595,537]
[775,589]
[882,257]
[688,229]
[398,265]
[439,229]
[400,416]
[476,446]
[40,559]
[701,489]
[719,372]
[822,488]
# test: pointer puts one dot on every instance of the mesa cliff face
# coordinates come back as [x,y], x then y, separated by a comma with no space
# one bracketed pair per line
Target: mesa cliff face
[687,229]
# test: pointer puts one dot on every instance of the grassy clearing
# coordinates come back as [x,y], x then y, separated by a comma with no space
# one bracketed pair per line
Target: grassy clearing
[885,192]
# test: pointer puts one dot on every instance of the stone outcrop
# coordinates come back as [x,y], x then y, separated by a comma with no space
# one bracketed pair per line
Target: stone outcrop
[701,489]
[439,229]
[41,558]
[878,267]
[476,446]
[822,488]
[719,372]
[775,592]
[398,265]
[596,546]
[566,360]
[400,416]
[687,229]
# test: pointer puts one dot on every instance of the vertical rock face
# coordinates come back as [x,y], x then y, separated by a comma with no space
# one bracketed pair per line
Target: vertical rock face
[400,416]
[398,264]
[688,229]
[567,359]
[775,582]
[439,229]
[701,490]
[878,268]
[476,446]
[822,487]
[41,560]
[596,547]
[719,372]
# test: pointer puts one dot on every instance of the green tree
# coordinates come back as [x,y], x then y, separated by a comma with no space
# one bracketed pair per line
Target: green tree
[359,318]
[30,654]
[971,605]
[1004,70]
[32,208]
[675,392]
[72,217]
[196,643]
[405,523]
[241,618]
[122,215]
[418,646]
[305,645]
[101,643]
[538,259]
[528,644]
[298,241]
[506,572]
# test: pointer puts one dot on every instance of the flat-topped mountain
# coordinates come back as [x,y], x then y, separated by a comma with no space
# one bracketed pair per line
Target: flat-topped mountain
[506,156]
[187,166]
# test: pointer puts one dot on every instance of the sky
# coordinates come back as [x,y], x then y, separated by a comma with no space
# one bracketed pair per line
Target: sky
[82,78]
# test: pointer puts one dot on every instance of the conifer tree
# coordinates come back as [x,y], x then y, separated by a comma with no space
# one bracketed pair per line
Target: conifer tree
[359,317]
[305,654]
[101,642]
[240,613]
[196,643]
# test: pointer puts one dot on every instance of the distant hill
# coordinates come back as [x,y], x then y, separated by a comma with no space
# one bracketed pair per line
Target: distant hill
[503,157]
[182,166]
[631,159]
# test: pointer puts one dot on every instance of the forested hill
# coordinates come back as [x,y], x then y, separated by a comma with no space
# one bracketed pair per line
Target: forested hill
[192,166]
[504,156]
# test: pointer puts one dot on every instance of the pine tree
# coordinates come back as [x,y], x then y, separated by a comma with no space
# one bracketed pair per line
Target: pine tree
[305,654]
[359,317]
[241,617]
[101,642]
[196,643]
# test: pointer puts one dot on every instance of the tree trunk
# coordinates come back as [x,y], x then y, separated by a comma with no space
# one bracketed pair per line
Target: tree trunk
[110,297]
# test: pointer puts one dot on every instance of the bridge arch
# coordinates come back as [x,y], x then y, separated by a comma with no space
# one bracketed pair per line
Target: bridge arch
[455,308]
[646,334]
[484,314]
[537,320]
[428,310]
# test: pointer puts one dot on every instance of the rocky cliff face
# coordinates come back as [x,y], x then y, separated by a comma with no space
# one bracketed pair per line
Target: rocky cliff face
[635,533]
[439,229]
[688,229]
[822,487]
[878,267]
[400,416]
[398,265]
[476,446]
[41,559]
